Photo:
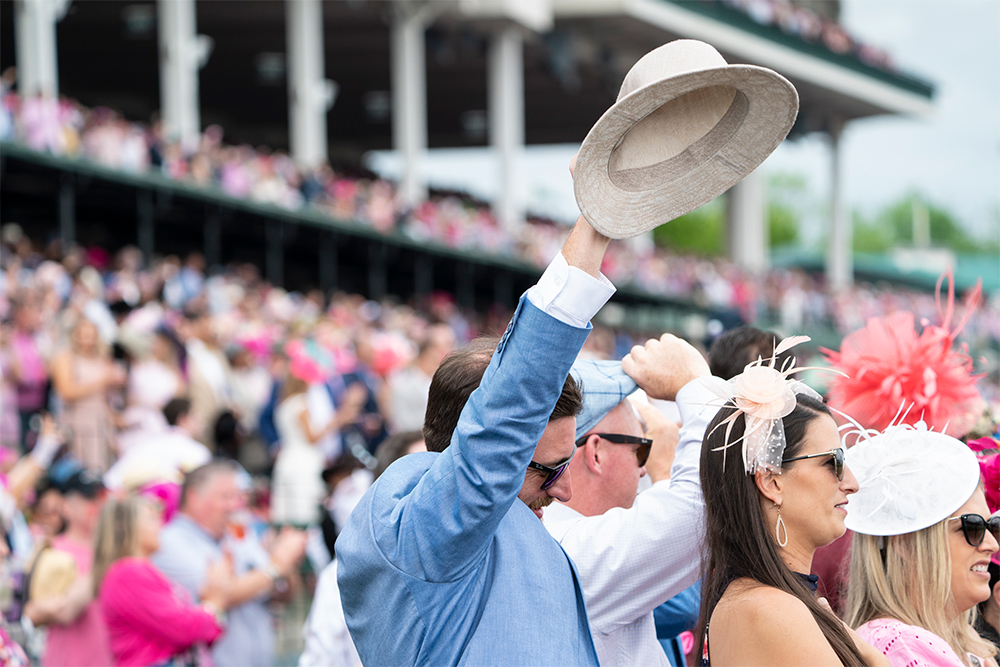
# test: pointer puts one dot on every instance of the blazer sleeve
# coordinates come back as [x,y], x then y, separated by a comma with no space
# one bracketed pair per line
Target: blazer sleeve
[136,593]
[441,527]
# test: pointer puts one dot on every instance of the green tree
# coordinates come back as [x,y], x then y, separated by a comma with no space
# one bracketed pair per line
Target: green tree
[782,225]
[874,237]
[787,199]
[702,231]
[945,229]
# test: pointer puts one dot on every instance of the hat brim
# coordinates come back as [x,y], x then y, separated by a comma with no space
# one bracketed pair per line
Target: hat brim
[616,212]
[908,480]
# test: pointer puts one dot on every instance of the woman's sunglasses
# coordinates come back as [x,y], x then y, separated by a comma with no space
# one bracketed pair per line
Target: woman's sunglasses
[974,526]
[552,475]
[838,460]
[641,454]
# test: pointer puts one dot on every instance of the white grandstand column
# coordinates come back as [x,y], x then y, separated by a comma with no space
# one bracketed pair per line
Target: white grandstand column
[506,113]
[35,36]
[182,54]
[839,257]
[310,96]
[746,212]
[409,97]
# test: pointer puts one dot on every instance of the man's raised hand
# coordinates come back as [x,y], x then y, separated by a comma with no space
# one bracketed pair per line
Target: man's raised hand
[663,366]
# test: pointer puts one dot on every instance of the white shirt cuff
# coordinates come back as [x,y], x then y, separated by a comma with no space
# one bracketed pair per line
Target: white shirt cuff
[697,396]
[569,294]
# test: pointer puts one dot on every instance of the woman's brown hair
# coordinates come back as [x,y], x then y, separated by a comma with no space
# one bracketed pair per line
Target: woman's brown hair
[739,541]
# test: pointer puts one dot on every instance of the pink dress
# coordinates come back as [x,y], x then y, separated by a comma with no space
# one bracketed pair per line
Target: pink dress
[90,417]
[149,620]
[908,645]
[83,642]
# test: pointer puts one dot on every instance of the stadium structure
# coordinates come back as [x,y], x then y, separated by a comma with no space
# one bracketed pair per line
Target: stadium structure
[330,80]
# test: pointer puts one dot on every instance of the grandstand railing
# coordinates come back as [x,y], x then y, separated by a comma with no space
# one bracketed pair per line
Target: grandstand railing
[636,308]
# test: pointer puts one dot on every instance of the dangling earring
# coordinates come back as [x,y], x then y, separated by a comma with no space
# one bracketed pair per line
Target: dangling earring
[779,528]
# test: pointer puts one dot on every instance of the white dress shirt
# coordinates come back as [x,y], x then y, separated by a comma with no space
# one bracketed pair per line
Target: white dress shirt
[569,294]
[632,560]
[565,292]
[328,642]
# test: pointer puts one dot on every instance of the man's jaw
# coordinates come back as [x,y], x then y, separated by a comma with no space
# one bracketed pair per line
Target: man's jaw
[537,506]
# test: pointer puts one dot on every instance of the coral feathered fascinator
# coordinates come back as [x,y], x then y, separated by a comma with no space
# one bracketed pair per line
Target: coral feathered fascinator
[888,364]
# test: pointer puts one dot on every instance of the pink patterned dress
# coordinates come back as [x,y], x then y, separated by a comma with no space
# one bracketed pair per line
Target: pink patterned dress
[911,646]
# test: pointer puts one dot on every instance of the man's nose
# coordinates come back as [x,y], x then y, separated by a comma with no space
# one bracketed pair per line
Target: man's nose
[562,490]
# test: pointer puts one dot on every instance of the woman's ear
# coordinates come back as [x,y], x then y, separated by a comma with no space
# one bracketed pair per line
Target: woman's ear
[769,484]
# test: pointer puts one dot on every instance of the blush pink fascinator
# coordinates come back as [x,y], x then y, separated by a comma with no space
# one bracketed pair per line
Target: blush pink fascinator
[763,394]
[888,364]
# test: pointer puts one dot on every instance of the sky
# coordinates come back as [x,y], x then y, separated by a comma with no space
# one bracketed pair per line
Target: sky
[951,158]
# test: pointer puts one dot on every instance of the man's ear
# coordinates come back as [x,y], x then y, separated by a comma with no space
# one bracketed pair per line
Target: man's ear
[592,453]
[770,485]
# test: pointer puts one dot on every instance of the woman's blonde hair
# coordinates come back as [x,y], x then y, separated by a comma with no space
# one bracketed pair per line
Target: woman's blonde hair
[117,534]
[101,347]
[909,580]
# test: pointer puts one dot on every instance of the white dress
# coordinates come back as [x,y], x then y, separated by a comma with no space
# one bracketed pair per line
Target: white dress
[297,488]
[152,384]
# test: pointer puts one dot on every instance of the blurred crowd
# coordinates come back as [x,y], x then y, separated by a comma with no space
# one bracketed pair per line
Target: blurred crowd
[810,26]
[788,298]
[121,377]
[155,418]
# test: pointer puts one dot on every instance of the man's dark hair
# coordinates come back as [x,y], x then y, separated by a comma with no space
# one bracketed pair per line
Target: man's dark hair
[458,376]
[175,409]
[733,350]
[198,479]
[394,448]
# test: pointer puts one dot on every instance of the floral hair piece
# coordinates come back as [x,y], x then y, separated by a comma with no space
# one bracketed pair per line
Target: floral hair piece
[763,394]
[888,362]
[987,454]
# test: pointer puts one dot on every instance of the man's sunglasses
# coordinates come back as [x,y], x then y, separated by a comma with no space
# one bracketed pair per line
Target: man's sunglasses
[642,454]
[552,475]
[974,526]
[838,460]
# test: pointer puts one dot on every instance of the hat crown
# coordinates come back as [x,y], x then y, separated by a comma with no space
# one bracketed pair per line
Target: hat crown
[910,478]
[677,57]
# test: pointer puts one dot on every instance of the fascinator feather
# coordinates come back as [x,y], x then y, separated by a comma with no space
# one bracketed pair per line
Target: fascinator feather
[888,363]
[763,394]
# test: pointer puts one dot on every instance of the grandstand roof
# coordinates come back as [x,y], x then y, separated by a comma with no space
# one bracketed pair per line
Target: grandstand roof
[106,200]
[968,269]
[108,56]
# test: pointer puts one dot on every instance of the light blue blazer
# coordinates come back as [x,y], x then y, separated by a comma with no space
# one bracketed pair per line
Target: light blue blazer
[440,563]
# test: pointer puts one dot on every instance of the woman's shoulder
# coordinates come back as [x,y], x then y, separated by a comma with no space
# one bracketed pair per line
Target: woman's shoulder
[294,402]
[763,609]
[892,628]
[749,590]
[754,624]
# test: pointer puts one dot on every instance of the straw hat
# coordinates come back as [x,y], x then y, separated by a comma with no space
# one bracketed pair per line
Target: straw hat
[909,478]
[52,573]
[687,126]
